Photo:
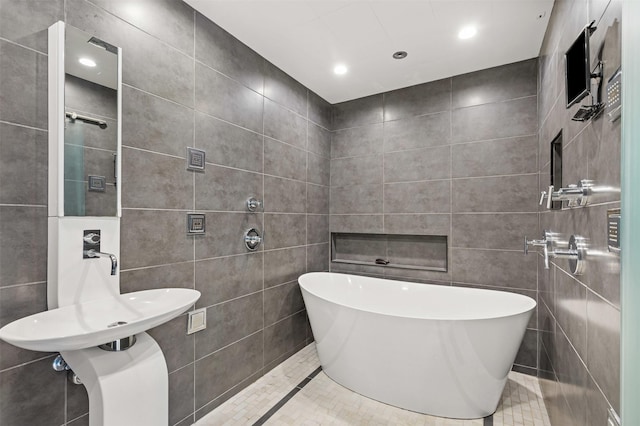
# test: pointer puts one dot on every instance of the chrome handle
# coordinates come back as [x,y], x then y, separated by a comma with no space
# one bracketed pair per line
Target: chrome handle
[253,204]
[91,238]
[546,243]
[576,252]
[543,194]
[252,239]
[550,197]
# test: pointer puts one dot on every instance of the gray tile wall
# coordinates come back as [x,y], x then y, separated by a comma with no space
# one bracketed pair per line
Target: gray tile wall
[455,157]
[579,317]
[187,82]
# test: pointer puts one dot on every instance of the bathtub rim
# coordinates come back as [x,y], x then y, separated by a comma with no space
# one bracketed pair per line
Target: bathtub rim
[533,302]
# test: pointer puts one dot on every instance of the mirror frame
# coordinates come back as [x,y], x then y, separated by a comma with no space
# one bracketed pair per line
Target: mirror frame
[56,96]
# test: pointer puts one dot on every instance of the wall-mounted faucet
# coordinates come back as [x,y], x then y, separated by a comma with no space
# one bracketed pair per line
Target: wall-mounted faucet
[89,254]
[576,195]
[546,243]
[576,252]
[91,248]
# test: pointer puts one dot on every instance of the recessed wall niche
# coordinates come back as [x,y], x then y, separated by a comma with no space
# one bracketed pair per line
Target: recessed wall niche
[418,252]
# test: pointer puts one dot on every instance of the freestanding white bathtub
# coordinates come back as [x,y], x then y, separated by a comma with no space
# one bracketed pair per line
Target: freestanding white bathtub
[439,350]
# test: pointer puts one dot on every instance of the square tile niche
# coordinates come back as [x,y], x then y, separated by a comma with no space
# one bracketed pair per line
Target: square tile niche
[417,252]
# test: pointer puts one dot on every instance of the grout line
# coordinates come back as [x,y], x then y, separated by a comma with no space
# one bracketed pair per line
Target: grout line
[11,123]
[262,420]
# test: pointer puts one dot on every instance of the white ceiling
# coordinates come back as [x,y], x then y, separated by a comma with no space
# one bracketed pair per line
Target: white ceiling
[307,38]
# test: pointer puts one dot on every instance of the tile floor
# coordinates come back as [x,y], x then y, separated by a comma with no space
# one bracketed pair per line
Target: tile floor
[323,402]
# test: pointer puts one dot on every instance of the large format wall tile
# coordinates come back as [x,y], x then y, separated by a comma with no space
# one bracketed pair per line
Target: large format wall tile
[181,394]
[176,344]
[155,124]
[23,165]
[148,63]
[494,268]
[417,197]
[26,22]
[155,181]
[283,230]
[229,277]
[164,276]
[282,301]
[358,112]
[284,125]
[319,140]
[224,234]
[356,170]
[221,51]
[285,265]
[281,88]
[22,232]
[285,336]
[417,164]
[284,195]
[229,322]
[224,98]
[493,231]
[495,194]
[496,120]
[23,86]
[419,132]
[357,141]
[224,189]
[511,81]
[170,21]
[228,145]
[495,157]
[422,99]
[220,371]
[160,238]
[32,399]
[320,111]
[284,160]
[356,199]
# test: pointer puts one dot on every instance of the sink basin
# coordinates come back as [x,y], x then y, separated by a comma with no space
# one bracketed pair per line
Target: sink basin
[98,321]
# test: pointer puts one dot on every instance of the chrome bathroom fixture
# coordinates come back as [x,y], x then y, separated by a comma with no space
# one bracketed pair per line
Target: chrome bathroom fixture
[92,253]
[90,120]
[546,243]
[91,248]
[578,195]
[59,364]
[119,344]
[576,252]
[253,204]
[252,239]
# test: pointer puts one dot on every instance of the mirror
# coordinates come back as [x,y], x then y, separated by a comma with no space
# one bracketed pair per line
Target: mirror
[91,125]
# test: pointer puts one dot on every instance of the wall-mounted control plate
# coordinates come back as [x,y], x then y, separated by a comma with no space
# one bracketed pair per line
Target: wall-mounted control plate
[613,230]
[614,98]
[197,320]
[196,224]
[97,183]
[195,159]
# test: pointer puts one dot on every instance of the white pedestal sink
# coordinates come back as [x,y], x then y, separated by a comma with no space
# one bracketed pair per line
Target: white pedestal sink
[125,388]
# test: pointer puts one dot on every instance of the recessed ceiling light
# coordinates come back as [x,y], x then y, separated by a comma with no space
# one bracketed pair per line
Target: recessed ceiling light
[87,62]
[467,32]
[400,54]
[340,69]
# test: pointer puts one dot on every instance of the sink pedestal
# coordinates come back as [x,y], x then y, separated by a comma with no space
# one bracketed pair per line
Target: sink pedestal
[126,388]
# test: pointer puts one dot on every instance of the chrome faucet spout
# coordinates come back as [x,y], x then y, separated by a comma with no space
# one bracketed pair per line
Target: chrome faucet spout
[112,257]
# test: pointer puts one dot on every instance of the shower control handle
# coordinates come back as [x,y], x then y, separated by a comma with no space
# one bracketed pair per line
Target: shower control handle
[252,239]
[546,243]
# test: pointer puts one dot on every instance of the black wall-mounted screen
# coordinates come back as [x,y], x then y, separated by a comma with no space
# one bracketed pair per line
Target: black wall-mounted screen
[577,73]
